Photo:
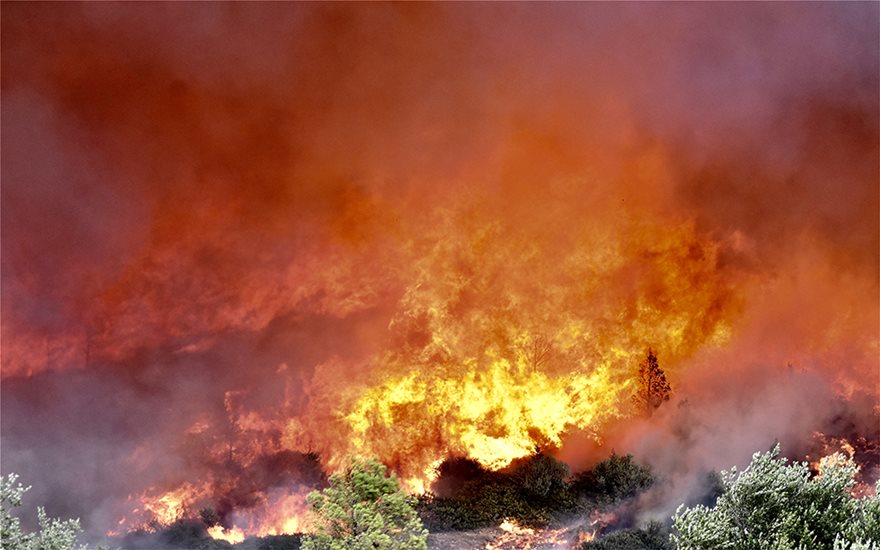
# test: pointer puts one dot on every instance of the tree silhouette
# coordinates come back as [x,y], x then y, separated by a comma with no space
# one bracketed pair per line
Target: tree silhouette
[653,387]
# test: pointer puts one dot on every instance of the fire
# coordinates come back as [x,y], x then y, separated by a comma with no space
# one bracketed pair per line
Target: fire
[598,522]
[165,509]
[493,354]
[835,450]
[833,460]
[490,356]
[169,507]
[586,536]
[516,536]
[861,452]
[494,413]
[846,453]
[278,512]
[284,513]
[232,536]
[511,526]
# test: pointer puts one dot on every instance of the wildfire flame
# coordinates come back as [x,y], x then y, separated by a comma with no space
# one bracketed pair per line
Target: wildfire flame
[586,536]
[489,360]
[516,536]
[232,536]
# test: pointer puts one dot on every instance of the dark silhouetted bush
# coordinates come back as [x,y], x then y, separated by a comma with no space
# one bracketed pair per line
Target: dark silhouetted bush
[539,476]
[180,534]
[653,537]
[613,480]
[533,491]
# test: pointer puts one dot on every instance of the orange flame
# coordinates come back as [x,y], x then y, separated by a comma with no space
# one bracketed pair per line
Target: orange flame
[516,536]
[491,358]
[233,535]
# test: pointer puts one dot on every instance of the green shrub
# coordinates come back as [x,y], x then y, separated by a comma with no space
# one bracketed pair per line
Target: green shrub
[611,481]
[478,503]
[532,490]
[54,534]
[274,542]
[540,476]
[773,504]
[364,509]
[653,537]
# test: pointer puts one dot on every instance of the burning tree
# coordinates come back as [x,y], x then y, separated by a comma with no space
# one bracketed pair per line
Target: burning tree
[363,508]
[653,389]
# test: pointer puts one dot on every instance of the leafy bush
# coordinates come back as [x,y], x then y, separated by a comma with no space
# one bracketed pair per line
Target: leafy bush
[468,496]
[183,533]
[615,479]
[272,542]
[474,498]
[534,491]
[653,537]
[455,473]
[540,476]
[54,534]
[363,509]
[772,504]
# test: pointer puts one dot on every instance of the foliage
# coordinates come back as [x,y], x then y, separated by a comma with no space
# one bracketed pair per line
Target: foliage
[653,388]
[653,537]
[775,505]
[532,490]
[615,479]
[209,516]
[482,505]
[363,509]
[54,534]
[540,476]
[272,542]
[183,533]
[535,491]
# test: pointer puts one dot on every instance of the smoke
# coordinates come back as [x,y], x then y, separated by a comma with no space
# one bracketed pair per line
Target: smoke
[298,202]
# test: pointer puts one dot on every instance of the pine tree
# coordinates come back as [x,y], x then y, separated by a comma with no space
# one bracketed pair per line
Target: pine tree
[653,388]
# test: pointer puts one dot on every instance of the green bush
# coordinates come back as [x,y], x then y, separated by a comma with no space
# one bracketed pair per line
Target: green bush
[364,509]
[653,537]
[615,479]
[273,542]
[540,476]
[776,505]
[531,490]
[480,503]
[54,534]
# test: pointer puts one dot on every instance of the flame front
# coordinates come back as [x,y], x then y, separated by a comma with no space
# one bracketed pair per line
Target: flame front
[498,348]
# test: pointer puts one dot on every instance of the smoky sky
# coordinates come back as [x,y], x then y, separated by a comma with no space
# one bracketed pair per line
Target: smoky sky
[193,195]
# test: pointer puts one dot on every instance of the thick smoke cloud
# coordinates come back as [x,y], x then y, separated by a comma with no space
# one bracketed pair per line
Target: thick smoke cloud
[200,199]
